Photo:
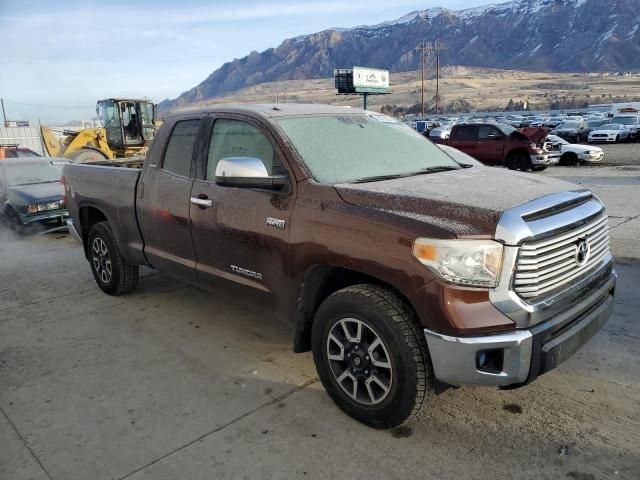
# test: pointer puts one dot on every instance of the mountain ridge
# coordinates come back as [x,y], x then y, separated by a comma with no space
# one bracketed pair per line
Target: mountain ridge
[543,35]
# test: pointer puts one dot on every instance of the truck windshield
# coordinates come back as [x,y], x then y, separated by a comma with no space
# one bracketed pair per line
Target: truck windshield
[350,148]
[27,173]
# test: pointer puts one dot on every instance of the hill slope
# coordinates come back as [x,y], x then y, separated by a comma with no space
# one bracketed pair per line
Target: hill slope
[541,35]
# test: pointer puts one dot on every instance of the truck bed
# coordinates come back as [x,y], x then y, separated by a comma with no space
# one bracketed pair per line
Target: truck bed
[110,190]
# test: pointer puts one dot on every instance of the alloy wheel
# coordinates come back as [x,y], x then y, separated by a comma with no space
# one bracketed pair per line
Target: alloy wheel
[359,361]
[101,259]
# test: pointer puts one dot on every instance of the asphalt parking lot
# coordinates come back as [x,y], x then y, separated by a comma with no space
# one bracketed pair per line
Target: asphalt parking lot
[171,382]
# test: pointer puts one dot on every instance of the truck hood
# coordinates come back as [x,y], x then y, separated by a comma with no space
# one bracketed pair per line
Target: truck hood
[39,192]
[464,202]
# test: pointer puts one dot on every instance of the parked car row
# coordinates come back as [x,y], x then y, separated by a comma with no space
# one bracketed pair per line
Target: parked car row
[575,128]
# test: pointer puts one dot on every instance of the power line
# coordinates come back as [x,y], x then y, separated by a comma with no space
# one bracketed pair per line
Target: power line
[49,106]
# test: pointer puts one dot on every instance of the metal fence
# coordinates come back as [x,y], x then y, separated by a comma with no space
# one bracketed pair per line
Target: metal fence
[26,137]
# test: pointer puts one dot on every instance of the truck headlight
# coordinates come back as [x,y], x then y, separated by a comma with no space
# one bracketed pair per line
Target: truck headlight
[474,263]
[32,209]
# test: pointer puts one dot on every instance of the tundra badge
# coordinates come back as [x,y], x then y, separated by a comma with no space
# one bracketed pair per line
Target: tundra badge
[276,222]
[246,273]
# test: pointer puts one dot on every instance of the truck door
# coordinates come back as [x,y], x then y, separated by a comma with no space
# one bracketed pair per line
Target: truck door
[490,144]
[463,137]
[240,234]
[163,201]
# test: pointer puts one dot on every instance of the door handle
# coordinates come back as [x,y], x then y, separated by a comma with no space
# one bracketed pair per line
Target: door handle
[202,202]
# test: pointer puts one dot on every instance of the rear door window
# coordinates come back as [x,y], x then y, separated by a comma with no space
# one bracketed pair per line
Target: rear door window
[177,156]
[467,132]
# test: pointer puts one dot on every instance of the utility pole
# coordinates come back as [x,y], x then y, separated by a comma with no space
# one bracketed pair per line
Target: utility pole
[422,47]
[437,74]
[4,115]
[438,47]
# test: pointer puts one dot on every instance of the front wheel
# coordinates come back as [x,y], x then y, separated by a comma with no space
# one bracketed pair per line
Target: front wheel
[88,155]
[111,272]
[371,356]
[519,161]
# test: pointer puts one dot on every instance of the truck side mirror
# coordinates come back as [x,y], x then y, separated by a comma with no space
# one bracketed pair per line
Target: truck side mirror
[247,172]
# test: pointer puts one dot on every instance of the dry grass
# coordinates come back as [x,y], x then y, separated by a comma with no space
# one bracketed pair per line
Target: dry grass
[483,88]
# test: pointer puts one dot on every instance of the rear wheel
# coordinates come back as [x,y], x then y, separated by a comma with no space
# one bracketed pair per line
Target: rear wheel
[111,272]
[87,155]
[371,355]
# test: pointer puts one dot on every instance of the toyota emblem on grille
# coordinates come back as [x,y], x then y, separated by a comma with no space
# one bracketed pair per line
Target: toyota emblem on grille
[582,251]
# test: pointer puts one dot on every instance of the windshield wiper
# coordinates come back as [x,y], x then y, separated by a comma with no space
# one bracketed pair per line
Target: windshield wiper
[424,171]
[38,183]
[441,168]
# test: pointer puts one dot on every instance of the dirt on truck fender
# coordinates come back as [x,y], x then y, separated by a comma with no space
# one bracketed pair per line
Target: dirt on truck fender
[398,265]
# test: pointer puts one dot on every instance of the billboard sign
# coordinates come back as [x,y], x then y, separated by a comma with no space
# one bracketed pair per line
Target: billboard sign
[372,79]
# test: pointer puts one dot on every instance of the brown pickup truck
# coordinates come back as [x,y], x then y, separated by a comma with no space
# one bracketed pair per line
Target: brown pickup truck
[399,264]
[498,144]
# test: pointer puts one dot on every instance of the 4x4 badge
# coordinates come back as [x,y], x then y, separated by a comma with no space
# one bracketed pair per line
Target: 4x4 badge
[276,222]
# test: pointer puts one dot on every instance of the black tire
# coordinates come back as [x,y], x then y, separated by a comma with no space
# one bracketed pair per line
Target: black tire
[13,221]
[510,163]
[568,159]
[617,139]
[88,155]
[387,317]
[519,161]
[111,272]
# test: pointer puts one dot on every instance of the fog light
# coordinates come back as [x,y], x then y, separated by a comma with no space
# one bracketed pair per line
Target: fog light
[490,361]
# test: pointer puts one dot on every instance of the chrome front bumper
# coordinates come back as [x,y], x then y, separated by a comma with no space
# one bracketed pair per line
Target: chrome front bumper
[72,230]
[519,356]
[455,359]
[540,159]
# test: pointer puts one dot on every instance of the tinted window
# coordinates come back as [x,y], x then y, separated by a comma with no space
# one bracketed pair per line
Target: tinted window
[465,133]
[234,138]
[487,131]
[177,157]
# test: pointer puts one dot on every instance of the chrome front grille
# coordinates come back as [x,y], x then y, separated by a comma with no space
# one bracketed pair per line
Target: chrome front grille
[547,265]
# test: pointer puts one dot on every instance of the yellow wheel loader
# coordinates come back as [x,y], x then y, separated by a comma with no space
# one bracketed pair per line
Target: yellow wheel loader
[128,126]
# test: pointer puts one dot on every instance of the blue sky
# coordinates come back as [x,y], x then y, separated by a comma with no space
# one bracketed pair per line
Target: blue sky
[66,54]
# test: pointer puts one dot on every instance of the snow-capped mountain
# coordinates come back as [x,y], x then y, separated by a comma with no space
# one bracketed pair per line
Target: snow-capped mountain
[553,35]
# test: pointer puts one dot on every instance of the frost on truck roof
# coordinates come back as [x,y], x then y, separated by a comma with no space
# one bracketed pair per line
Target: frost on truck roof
[274,110]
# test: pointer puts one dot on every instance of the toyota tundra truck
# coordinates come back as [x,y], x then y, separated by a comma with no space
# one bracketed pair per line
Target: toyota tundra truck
[402,267]
[498,144]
